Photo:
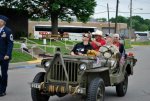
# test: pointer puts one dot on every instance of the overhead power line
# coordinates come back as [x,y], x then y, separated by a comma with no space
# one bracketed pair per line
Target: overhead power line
[106,7]
[100,12]
[120,12]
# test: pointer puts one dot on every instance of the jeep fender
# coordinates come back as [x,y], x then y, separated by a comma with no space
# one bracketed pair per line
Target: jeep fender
[129,69]
[103,75]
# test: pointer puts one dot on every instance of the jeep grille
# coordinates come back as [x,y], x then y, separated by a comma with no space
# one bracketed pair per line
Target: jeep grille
[58,72]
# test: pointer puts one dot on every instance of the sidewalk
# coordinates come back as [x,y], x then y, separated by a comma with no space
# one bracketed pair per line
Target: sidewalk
[24,64]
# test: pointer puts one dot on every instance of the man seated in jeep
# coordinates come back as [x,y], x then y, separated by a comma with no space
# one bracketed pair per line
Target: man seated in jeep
[83,47]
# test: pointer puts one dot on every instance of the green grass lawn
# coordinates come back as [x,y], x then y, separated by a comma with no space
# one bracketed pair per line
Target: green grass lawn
[54,43]
[18,56]
[49,46]
[127,44]
[21,57]
[51,50]
[141,43]
[17,45]
[57,43]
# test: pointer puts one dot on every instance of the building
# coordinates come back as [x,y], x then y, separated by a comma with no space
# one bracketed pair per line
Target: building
[121,27]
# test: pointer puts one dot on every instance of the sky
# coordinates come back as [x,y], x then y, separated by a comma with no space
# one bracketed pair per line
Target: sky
[139,6]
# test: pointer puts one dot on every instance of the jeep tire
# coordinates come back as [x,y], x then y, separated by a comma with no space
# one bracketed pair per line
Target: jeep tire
[96,90]
[121,88]
[36,93]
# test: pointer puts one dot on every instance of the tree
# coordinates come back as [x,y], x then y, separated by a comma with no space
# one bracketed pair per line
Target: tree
[54,9]
[138,23]
[138,18]
[143,27]
[147,22]
[120,19]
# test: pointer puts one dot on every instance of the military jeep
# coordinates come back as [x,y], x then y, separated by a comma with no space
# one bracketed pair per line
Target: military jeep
[82,75]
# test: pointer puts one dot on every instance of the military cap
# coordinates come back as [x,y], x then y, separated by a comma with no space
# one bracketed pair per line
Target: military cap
[4,18]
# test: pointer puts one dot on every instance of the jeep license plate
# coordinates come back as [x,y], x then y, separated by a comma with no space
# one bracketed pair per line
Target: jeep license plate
[35,85]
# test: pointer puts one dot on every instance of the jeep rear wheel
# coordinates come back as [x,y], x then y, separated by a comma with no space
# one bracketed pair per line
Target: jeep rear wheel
[96,90]
[36,93]
[122,87]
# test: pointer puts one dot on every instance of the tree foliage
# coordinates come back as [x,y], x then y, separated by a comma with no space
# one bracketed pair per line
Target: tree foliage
[138,23]
[120,19]
[54,9]
[147,22]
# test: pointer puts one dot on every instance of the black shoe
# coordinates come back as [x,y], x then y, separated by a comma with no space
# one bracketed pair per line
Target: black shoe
[2,94]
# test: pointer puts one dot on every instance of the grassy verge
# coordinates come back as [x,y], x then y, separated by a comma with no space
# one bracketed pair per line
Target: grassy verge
[18,56]
[141,43]
[54,43]
[60,43]
[51,50]
[17,45]
[127,44]
[21,57]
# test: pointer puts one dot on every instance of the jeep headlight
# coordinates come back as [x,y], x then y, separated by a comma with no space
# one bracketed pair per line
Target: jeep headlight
[47,64]
[83,67]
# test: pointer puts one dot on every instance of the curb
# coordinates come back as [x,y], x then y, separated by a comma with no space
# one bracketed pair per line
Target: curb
[140,45]
[24,64]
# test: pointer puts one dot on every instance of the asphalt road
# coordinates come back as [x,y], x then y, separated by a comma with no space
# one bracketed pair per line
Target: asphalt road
[138,89]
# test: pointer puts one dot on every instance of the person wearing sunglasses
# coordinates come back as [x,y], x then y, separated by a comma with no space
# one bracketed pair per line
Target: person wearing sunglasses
[82,47]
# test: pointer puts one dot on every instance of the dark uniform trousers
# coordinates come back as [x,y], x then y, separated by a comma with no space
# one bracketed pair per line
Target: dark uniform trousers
[4,76]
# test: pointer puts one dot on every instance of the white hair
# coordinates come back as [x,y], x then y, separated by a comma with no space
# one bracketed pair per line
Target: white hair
[116,35]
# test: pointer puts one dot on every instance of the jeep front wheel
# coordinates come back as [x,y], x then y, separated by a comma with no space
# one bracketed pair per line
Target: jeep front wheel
[96,90]
[121,88]
[36,93]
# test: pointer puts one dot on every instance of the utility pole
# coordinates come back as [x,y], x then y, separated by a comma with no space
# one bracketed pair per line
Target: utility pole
[117,5]
[130,28]
[108,17]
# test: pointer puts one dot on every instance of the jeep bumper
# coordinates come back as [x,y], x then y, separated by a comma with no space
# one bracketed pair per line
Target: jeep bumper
[59,88]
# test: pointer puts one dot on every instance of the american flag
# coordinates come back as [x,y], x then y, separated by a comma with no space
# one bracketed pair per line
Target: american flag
[122,60]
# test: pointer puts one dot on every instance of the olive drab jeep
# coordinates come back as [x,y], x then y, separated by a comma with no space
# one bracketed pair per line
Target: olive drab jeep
[83,75]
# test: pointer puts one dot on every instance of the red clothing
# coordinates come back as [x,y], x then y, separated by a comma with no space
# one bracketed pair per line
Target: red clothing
[95,47]
[116,44]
